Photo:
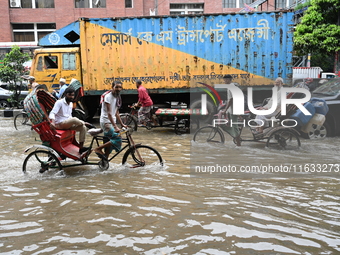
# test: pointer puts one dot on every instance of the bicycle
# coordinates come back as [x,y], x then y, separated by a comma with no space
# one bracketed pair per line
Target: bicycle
[22,121]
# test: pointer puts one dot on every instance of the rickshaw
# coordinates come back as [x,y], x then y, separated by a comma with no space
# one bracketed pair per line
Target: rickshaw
[60,146]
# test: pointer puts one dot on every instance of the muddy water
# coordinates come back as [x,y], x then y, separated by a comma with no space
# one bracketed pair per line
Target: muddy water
[167,211]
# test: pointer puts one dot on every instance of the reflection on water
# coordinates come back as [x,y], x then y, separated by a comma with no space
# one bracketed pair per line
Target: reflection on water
[166,211]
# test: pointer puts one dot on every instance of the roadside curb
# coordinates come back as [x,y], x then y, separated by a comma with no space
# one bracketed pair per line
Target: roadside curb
[10,112]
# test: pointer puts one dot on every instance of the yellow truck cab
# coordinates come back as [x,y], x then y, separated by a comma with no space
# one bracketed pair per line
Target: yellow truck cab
[51,64]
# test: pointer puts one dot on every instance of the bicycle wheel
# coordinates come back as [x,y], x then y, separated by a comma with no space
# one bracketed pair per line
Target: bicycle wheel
[22,122]
[128,120]
[142,155]
[283,139]
[209,134]
[41,161]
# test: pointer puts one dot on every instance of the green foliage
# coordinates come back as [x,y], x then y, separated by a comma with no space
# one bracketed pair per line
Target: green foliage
[319,30]
[12,70]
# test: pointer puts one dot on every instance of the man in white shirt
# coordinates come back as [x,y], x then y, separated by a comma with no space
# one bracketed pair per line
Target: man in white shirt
[109,114]
[61,117]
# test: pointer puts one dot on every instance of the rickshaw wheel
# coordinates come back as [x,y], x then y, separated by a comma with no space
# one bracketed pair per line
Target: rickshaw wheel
[41,161]
[209,134]
[283,139]
[103,164]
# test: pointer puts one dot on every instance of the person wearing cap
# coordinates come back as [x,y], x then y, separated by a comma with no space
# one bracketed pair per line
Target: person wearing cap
[233,130]
[32,83]
[63,86]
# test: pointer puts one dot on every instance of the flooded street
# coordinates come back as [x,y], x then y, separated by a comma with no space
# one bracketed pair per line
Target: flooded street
[169,210]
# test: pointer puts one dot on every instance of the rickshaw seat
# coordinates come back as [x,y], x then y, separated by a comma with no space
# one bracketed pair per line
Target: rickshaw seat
[67,142]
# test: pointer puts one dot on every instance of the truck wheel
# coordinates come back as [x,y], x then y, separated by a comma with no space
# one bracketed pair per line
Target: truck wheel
[197,104]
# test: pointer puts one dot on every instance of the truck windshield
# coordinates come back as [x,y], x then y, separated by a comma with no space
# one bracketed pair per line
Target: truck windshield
[51,62]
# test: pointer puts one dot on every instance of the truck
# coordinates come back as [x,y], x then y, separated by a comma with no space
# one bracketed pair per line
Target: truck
[176,57]
[311,72]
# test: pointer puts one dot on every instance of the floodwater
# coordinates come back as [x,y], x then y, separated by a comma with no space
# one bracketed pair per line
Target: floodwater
[168,210]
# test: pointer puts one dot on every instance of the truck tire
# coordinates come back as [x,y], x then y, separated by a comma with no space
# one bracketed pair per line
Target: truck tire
[197,104]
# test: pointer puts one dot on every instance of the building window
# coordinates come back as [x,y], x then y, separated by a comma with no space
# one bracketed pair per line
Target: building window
[230,3]
[31,3]
[282,4]
[235,3]
[176,9]
[90,3]
[31,32]
[128,3]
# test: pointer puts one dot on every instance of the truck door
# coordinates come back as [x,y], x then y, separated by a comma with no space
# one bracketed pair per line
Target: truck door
[71,66]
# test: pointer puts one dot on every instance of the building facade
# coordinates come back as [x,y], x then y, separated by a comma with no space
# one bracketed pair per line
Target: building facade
[24,22]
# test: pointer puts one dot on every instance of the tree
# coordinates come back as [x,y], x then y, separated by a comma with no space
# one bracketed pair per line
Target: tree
[12,70]
[319,30]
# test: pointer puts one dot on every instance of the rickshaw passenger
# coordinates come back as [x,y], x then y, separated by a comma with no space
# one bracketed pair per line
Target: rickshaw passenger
[108,116]
[61,117]
[261,120]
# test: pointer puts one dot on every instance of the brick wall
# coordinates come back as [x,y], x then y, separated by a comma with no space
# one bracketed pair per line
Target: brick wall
[5,28]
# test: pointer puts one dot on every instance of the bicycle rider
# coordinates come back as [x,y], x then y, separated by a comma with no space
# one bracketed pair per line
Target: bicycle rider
[108,116]
[145,103]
